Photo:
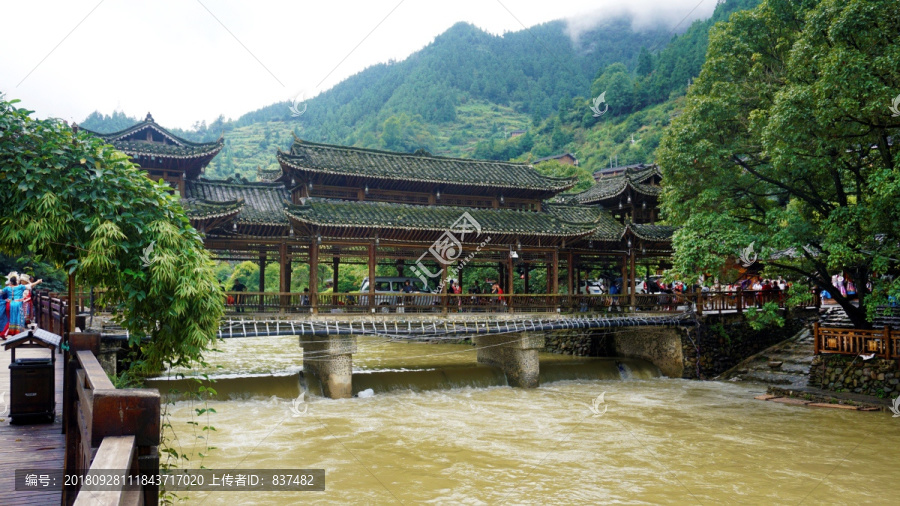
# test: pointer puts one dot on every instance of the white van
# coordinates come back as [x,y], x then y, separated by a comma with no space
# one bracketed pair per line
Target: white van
[590,287]
[388,284]
[389,293]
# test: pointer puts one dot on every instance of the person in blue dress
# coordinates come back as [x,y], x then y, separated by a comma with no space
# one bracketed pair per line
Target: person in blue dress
[16,293]
[4,314]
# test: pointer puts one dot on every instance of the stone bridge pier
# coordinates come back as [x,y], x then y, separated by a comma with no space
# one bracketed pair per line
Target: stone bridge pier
[329,359]
[516,354]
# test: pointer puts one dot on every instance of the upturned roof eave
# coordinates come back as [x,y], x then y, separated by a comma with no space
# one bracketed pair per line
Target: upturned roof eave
[115,136]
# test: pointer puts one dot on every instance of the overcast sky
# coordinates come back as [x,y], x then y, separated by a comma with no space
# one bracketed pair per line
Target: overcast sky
[190,60]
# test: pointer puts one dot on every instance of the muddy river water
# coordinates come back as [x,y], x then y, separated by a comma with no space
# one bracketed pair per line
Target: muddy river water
[441,429]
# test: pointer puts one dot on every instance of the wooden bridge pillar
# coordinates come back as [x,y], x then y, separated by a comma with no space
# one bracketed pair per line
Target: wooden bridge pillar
[262,272]
[314,275]
[515,354]
[553,280]
[284,274]
[329,359]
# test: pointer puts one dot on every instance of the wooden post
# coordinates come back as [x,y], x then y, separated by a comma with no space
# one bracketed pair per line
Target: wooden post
[887,342]
[698,296]
[314,275]
[739,299]
[553,282]
[262,280]
[509,281]
[527,279]
[816,338]
[570,273]
[335,265]
[632,282]
[284,283]
[444,289]
[262,273]
[372,277]
[71,326]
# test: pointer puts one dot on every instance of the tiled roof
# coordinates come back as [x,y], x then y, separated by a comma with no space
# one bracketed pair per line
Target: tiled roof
[554,157]
[202,209]
[263,203]
[607,227]
[648,232]
[133,148]
[268,175]
[420,167]
[336,213]
[613,186]
[175,147]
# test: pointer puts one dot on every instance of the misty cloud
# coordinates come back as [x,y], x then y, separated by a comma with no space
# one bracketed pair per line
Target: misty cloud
[644,14]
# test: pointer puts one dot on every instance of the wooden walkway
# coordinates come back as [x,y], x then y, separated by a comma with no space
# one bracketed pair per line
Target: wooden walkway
[40,446]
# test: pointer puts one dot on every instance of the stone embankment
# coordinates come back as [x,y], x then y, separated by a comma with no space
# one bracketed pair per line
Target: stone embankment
[843,373]
[785,364]
[577,343]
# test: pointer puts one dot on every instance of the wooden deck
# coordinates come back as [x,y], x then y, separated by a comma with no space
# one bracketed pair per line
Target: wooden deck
[40,446]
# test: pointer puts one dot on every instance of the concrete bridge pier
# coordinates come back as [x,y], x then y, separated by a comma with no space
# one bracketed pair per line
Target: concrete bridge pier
[516,354]
[329,360]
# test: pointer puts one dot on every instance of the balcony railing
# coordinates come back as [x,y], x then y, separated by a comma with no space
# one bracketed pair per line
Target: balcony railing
[883,342]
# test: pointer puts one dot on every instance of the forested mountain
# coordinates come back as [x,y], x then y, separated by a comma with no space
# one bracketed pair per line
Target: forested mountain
[466,91]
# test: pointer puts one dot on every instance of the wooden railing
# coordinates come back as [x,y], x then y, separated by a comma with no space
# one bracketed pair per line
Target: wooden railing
[51,311]
[739,300]
[107,429]
[883,342]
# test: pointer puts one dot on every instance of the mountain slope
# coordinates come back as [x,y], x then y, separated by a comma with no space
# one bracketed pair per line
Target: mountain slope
[466,91]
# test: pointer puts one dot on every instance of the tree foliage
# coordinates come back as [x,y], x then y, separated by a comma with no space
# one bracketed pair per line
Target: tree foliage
[77,203]
[786,143]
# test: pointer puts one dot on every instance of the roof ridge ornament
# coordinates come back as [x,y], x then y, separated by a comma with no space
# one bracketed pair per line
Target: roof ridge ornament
[296,139]
[149,118]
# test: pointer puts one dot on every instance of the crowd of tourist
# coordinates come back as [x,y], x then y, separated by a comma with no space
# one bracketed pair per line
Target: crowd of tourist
[16,309]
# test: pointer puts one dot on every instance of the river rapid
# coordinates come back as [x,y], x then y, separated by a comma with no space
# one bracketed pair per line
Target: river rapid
[441,429]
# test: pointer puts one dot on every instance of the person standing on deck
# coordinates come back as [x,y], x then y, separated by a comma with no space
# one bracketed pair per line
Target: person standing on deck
[27,305]
[456,289]
[4,314]
[239,300]
[496,290]
[16,293]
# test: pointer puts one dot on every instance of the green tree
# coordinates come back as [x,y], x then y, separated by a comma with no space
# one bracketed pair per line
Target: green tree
[75,202]
[645,63]
[404,133]
[616,82]
[785,143]
[556,169]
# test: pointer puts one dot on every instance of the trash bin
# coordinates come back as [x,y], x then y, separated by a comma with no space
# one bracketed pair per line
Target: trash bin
[32,381]
[32,389]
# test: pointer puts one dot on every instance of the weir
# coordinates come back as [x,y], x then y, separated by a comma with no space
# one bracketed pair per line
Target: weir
[329,359]
[237,387]
[516,355]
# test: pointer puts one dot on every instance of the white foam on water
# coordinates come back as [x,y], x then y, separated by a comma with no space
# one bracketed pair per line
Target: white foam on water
[625,371]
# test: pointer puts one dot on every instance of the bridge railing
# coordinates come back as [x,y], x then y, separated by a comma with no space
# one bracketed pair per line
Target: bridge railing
[363,303]
[739,300]
[107,429]
[883,342]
